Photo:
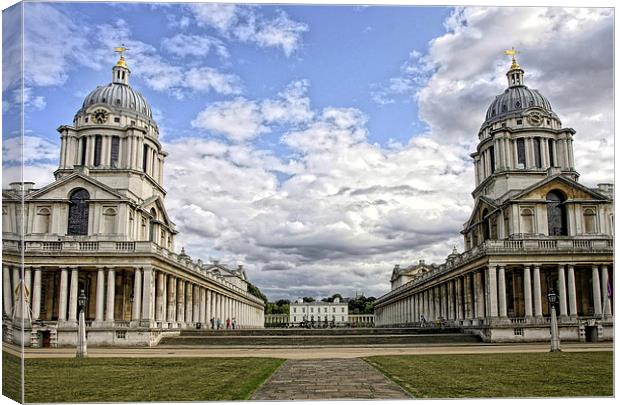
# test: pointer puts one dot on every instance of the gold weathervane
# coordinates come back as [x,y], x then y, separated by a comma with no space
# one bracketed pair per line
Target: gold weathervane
[513,52]
[121,50]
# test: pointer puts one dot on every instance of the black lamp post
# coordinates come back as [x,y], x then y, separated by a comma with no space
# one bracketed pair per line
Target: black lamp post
[555,336]
[81,344]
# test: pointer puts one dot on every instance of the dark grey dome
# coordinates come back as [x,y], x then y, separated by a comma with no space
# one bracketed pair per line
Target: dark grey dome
[515,99]
[120,97]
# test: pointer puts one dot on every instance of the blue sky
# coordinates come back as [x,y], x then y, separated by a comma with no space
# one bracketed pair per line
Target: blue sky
[317,145]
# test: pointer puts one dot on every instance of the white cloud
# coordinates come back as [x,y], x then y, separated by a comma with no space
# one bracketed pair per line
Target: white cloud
[28,149]
[247,25]
[210,79]
[194,45]
[241,120]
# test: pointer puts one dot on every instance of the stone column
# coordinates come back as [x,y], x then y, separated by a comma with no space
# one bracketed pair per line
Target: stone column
[459,302]
[159,297]
[172,302]
[73,295]
[537,293]
[208,311]
[189,303]
[468,295]
[572,291]
[203,303]
[16,279]
[109,313]
[562,290]
[527,291]
[180,301]
[36,294]
[501,291]
[450,299]
[62,301]
[196,304]
[137,295]
[100,294]
[7,291]
[606,300]
[491,291]
[148,292]
[596,291]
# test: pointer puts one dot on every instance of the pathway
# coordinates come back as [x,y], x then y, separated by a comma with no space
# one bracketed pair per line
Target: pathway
[328,379]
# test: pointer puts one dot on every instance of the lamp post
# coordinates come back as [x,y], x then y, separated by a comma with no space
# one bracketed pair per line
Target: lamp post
[81,346]
[555,336]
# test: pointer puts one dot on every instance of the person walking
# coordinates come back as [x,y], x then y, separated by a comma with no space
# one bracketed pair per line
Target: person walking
[212,322]
[234,323]
[227,323]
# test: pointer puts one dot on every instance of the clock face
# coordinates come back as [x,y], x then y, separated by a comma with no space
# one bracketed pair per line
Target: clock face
[100,116]
[535,118]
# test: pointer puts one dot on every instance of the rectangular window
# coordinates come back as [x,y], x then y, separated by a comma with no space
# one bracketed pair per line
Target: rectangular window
[83,151]
[342,309]
[295,310]
[97,160]
[492,155]
[521,151]
[145,153]
[114,149]
[551,152]
[519,122]
[537,154]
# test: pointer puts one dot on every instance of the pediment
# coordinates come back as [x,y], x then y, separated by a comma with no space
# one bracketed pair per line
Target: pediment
[480,205]
[570,188]
[62,188]
[158,203]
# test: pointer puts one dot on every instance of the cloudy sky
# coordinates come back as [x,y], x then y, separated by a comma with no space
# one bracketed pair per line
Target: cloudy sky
[317,145]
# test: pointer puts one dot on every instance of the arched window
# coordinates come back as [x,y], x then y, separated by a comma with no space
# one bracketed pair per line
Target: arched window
[556,213]
[485,225]
[527,221]
[589,220]
[78,212]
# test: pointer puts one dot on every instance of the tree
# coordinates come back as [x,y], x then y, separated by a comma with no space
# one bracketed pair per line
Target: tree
[255,291]
[308,299]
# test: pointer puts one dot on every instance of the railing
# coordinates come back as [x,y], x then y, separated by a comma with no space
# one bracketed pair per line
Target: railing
[568,245]
[70,245]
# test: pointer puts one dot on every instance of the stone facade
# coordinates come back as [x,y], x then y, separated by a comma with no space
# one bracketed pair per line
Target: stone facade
[336,312]
[102,227]
[534,229]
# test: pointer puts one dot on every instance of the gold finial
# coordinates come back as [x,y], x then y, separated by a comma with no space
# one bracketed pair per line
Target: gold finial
[513,52]
[121,50]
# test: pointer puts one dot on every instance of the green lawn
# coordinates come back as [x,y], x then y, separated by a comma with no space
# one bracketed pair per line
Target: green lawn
[143,379]
[11,376]
[501,375]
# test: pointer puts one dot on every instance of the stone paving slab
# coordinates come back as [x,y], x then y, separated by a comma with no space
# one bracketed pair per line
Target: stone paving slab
[328,379]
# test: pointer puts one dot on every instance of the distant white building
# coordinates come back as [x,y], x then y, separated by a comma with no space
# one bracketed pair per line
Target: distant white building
[319,312]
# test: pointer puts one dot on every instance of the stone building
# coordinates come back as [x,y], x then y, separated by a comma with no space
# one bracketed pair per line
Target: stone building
[102,227]
[533,229]
[319,312]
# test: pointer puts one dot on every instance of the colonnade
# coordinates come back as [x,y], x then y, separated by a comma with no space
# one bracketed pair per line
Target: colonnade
[499,292]
[154,298]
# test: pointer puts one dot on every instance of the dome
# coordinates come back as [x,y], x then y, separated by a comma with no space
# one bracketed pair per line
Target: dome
[515,99]
[121,97]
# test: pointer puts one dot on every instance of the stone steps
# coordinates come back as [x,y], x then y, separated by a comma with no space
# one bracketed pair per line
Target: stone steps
[320,332]
[320,340]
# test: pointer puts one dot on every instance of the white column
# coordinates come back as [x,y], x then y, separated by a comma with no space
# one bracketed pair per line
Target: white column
[148,291]
[100,295]
[596,291]
[562,290]
[172,302]
[572,292]
[180,301]
[501,291]
[73,295]
[62,311]
[137,295]
[527,291]
[492,290]
[36,294]
[189,304]
[159,297]
[7,291]
[109,313]
[480,301]
[196,304]
[606,300]
[537,293]
[203,303]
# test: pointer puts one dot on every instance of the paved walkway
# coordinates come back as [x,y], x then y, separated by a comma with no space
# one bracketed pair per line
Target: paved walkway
[313,352]
[328,379]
